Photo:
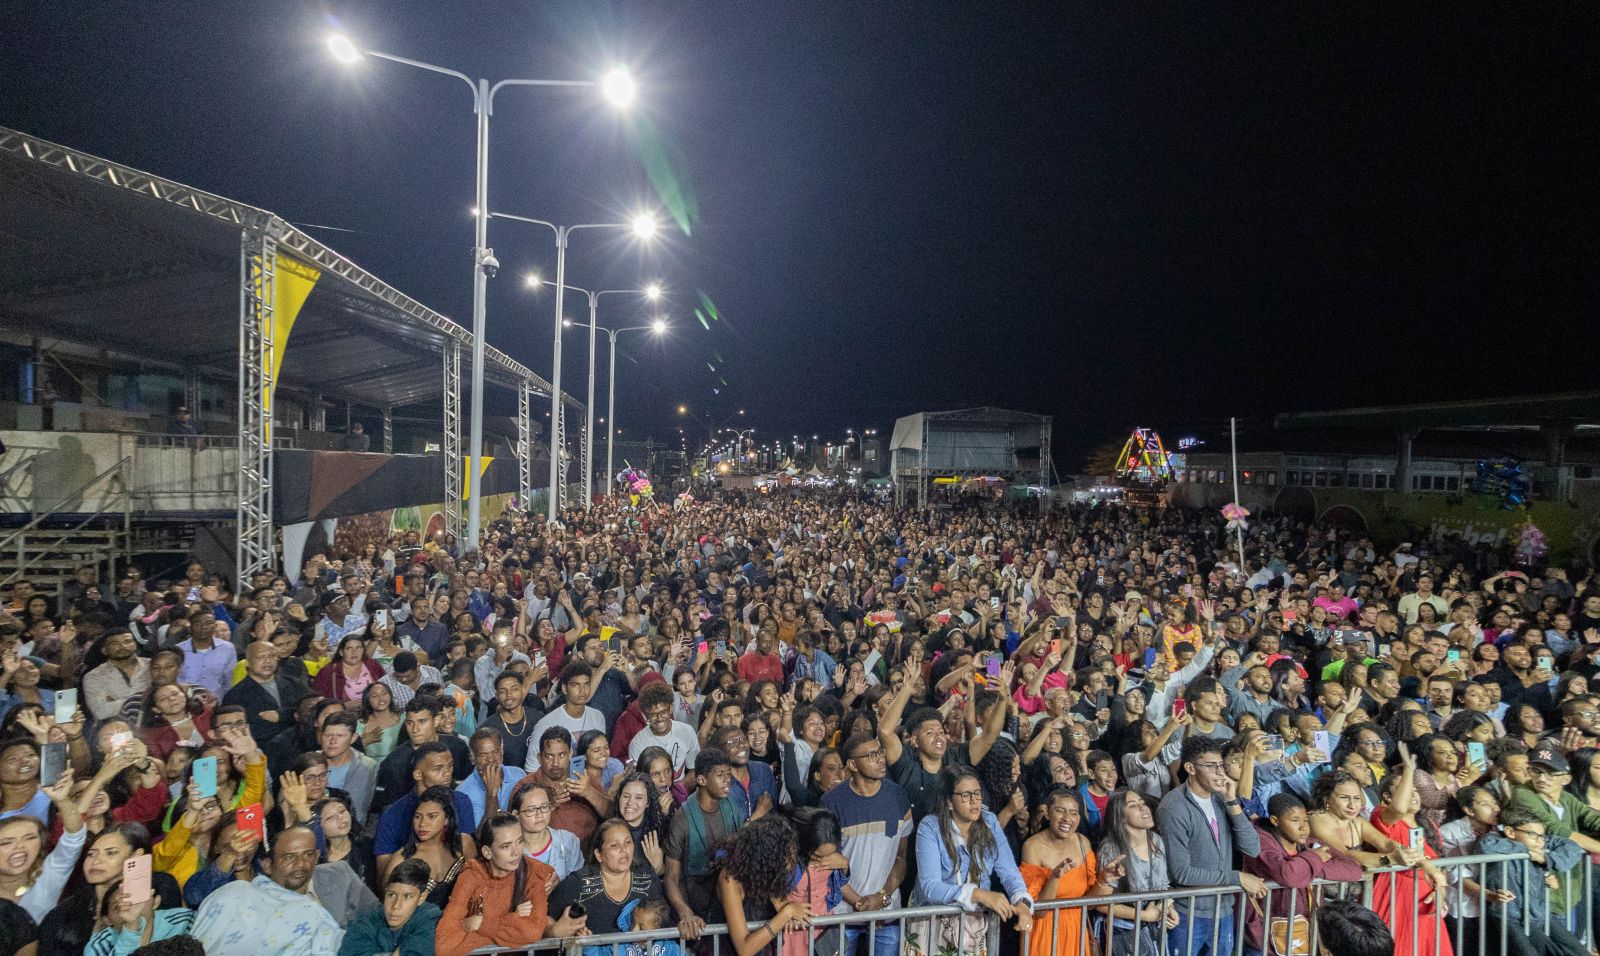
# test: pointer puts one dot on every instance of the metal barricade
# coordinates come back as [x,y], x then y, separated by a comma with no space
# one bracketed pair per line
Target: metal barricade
[1410,906]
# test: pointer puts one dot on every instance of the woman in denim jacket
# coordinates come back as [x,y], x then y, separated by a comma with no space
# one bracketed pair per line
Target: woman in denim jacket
[960,849]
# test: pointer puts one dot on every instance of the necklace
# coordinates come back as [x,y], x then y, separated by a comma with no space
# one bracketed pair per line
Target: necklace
[521,724]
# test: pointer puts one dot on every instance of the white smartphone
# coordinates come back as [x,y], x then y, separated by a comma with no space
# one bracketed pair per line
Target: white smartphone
[66,705]
[380,617]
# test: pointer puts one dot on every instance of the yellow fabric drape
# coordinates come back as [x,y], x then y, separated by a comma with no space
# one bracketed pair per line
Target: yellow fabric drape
[292,283]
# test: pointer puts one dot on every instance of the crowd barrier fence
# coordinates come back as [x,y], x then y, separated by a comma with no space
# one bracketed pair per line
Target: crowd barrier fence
[1468,921]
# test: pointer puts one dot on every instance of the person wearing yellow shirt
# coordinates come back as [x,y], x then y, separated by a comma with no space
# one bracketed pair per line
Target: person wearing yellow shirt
[187,845]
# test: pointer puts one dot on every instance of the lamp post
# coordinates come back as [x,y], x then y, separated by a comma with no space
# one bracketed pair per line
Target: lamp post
[618,87]
[659,327]
[651,292]
[644,227]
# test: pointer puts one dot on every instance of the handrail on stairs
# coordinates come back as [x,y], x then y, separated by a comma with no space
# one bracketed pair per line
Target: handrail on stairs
[10,539]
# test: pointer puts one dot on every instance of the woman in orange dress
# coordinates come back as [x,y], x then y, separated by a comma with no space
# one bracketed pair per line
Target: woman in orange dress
[1058,864]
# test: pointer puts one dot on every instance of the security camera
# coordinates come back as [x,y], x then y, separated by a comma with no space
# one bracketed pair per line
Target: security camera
[491,265]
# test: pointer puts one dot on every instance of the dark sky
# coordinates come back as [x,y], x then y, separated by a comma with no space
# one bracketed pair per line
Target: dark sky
[1115,214]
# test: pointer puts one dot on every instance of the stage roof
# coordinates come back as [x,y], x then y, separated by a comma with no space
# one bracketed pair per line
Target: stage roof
[95,252]
[1570,408]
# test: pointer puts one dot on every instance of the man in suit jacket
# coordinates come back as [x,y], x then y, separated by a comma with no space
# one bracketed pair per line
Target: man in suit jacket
[268,699]
[1201,822]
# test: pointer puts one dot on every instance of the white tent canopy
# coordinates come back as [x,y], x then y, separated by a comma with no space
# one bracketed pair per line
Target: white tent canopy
[969,443]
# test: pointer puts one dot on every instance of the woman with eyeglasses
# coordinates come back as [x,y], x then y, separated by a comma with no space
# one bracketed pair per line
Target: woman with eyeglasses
[558,849]
[960,849]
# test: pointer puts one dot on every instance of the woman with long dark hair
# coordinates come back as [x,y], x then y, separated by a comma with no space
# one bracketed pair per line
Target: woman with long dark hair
[346,678]
[606,886]
[1058,863]
[820,874]
[436,839]
[1134,860]
[336,815]
[68,928]
[171,718]
[637,807]
[960,849]
[380,722]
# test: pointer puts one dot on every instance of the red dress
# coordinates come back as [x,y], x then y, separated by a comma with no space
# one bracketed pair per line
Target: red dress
[1397,896]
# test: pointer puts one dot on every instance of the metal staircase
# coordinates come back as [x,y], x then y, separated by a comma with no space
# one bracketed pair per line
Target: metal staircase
[50,547]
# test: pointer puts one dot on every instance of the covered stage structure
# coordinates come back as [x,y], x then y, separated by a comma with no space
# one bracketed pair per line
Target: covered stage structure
[99,254]
[968,443]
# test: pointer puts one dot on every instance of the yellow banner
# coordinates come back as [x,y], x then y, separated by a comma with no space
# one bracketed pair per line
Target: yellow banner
[292,282]
[466,479]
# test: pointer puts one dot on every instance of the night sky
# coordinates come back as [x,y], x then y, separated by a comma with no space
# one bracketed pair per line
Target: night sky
[1115,214]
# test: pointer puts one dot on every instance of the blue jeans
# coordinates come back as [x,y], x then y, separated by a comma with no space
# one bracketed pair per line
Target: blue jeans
[1178,937]
[885,938]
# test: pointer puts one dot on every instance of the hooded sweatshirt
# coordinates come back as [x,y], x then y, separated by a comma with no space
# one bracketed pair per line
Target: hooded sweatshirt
[370,933]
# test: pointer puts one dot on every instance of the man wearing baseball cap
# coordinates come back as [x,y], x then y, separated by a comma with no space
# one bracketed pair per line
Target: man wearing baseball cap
[1563,815]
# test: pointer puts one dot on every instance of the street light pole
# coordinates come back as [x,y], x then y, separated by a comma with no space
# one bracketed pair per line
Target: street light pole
[618,87]
[658,327]
[643,226]
[652,292]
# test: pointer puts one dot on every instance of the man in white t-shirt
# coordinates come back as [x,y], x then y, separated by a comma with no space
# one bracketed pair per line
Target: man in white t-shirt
[673,736]
[577,683]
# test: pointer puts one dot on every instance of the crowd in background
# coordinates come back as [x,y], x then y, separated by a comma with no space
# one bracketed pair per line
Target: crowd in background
[760,711]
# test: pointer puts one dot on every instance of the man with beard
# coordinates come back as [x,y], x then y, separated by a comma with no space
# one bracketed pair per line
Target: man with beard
[754,788]
[275,913]
[123,675]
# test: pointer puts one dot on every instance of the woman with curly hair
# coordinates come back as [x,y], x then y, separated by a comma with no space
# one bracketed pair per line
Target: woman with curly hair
[637,806]
[1001,772]
[758,870]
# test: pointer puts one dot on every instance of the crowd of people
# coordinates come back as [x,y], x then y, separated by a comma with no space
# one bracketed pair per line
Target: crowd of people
[761,711]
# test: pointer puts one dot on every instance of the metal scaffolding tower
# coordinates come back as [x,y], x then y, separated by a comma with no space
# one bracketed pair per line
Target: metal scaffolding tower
[524,448]
[584,476]
[452,442]
[258,250]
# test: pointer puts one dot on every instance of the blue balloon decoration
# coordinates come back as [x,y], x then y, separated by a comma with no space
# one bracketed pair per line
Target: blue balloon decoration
[1501,482]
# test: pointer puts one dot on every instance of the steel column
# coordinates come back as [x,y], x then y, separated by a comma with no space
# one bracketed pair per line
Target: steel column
[254,540]
[452,439]
[388,430]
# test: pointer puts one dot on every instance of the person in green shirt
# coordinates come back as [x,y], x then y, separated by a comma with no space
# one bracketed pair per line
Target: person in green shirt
[1543,796]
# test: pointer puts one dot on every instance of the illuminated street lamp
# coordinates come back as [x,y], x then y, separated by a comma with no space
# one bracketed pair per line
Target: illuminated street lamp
[618,87]
[651,292]
[643,226]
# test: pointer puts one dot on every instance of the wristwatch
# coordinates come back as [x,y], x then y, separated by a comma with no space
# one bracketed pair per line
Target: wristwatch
[1385,861]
